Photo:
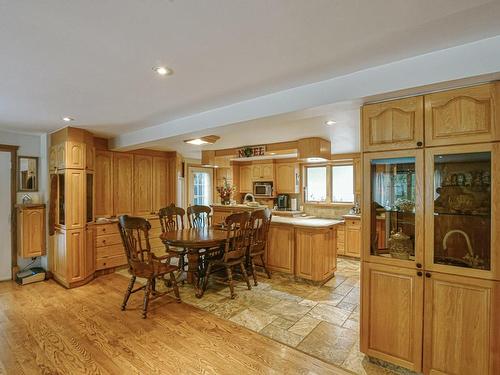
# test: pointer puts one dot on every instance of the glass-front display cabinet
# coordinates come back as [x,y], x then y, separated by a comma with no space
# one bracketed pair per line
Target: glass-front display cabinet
[460,218]
[393,207]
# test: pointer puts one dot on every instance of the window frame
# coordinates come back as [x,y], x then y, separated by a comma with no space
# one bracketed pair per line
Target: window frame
[306,167]
[329,183]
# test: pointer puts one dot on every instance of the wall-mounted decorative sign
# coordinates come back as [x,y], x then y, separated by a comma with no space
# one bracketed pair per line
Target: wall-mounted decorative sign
[249,151]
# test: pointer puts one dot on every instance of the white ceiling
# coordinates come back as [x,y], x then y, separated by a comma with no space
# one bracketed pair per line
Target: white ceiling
[92,59]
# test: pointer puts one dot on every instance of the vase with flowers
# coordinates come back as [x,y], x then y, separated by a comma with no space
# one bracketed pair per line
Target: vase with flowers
[225,192]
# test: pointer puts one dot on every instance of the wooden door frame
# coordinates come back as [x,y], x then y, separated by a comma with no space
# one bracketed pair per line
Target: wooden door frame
[13,190]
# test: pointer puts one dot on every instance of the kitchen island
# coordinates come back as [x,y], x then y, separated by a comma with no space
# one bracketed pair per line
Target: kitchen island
[303,246]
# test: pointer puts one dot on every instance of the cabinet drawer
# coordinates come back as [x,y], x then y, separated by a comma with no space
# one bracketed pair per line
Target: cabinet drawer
[155,223]
[108,239]
[107,251]
[109,262]
[111,228]
[353,223]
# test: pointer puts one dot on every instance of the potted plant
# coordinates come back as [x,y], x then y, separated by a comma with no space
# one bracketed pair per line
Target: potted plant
[225,192]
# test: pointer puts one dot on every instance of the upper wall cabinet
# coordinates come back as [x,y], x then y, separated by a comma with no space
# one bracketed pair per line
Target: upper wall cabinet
[263,172]
[245,179]
[466,115]
[287,178]
[393,125]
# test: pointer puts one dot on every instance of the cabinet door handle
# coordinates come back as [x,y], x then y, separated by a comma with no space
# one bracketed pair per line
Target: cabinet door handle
[419,273]
[428,274]
[420,144]
[419,265]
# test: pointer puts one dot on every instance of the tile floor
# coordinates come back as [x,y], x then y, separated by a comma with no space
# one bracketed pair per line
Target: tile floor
[322,321]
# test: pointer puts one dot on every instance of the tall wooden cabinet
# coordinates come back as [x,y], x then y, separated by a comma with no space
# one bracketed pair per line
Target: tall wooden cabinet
[123,178]
[103,183]
[437,273]
[71,256]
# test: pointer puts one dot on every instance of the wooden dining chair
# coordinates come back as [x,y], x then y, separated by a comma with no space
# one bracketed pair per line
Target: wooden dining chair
[260,221]
[142,262]
[234,251]
[172,218]
[199,216]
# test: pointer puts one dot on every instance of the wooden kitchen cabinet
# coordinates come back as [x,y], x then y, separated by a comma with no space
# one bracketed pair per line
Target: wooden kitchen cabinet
[75,203]
[461,329]
[280,251]
[357,177]
[246,179]
[463,116]
[393,125]
[315,255]
[160,183]
[31,231]
[392,315]
[90,157]
[340,239]
[219,217]
[352,245]
[263,172]
[103,183]
[60,155]
[74,155]
[53,159]
[143,190]
[287,178]
[123,175]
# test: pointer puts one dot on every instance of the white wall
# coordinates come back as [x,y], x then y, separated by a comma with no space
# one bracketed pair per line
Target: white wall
[30,145]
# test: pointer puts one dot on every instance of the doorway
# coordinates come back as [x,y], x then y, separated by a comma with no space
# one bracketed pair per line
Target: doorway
[5,217]
[200,186]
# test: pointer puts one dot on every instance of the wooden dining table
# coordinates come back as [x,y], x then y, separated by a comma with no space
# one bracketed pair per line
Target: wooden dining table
[196,241]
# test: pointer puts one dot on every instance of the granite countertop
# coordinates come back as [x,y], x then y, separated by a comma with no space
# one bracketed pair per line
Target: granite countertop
[307,221]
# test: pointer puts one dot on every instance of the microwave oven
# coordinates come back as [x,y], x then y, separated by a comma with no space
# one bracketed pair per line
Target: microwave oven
[263,189]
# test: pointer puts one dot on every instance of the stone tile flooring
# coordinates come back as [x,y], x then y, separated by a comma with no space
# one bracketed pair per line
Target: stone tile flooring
[322,321]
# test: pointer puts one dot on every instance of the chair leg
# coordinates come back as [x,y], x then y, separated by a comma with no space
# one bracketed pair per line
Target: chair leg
[230,279]
[205,280]
[127,293]
[147,292]
[245,275]
[265,267]
[254,273]
[175,287]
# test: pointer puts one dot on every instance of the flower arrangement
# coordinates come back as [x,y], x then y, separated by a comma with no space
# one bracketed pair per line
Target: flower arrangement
[225,191]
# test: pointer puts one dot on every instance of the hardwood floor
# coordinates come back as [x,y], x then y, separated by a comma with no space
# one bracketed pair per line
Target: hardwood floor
[46,329]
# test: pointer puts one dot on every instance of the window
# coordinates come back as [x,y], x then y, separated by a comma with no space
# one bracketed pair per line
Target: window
[201,186]
[342,184]
[316,184]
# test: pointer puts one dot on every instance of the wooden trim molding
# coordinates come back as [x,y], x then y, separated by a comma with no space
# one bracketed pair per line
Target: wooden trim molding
[13,226]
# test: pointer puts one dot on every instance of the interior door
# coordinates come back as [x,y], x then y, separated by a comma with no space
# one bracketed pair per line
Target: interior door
[5,218]
[200,186]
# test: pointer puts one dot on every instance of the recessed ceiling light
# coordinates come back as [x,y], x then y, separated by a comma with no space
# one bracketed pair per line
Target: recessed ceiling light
[68,119]
[203,140]
[162,70]
[330,122]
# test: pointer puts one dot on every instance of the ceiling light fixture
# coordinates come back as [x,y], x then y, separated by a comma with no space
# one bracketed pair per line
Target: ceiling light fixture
[330,122]
[162,70]
[209,139]
[68,119]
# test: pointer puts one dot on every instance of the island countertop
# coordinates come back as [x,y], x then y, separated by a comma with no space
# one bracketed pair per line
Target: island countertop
[309,222]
